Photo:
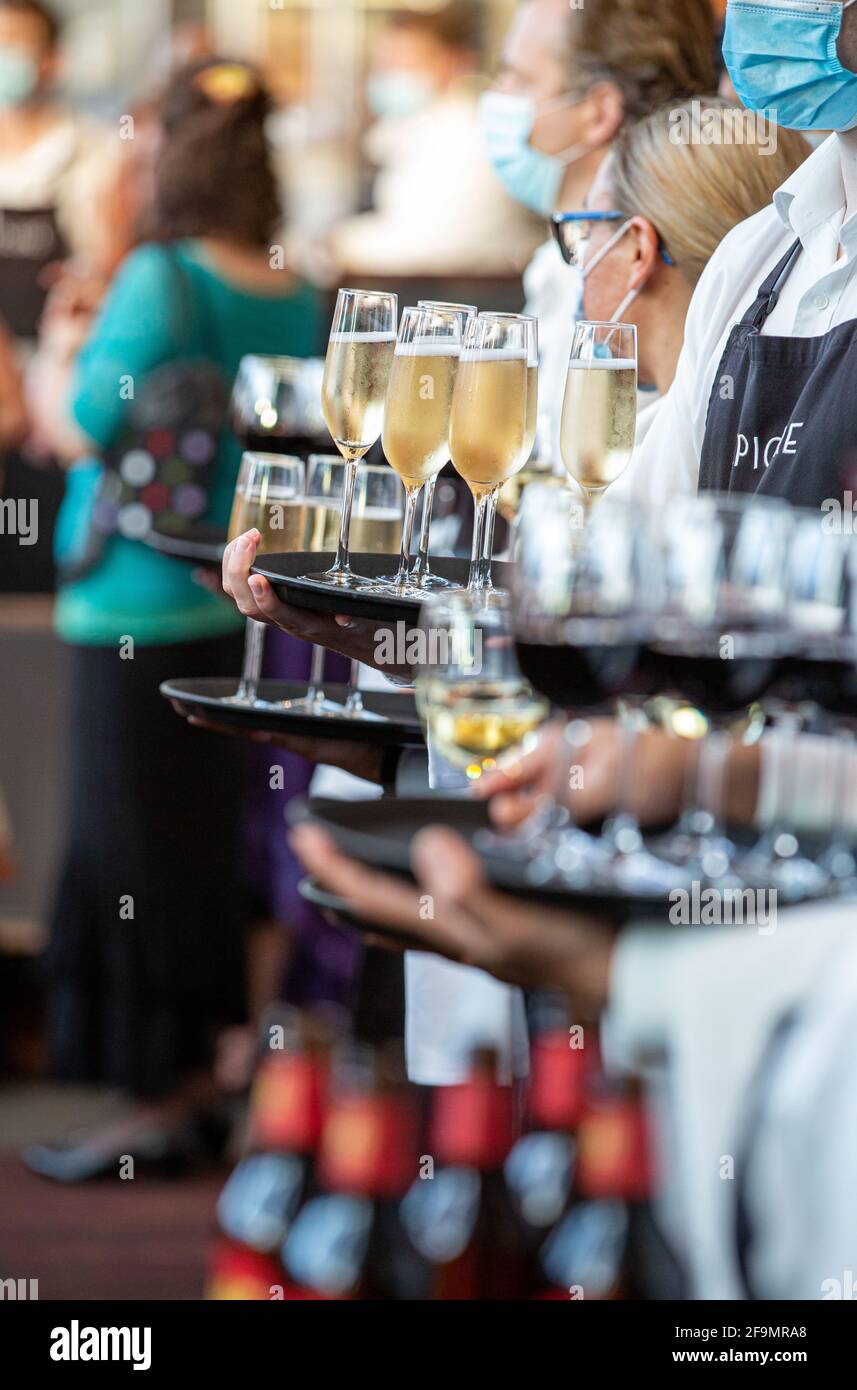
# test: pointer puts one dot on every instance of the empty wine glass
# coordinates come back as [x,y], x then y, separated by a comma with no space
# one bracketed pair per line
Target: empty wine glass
[356,371]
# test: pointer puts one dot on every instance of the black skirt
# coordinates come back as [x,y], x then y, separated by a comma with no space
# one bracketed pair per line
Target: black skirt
[145,958]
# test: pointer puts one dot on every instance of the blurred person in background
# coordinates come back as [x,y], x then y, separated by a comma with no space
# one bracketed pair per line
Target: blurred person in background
[569,79]
[437,206]
[145,960]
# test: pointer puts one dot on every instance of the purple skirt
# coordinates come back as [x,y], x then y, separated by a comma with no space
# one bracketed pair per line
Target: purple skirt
[324,958]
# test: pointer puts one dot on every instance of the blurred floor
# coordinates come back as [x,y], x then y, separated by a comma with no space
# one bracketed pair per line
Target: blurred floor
[132,1239]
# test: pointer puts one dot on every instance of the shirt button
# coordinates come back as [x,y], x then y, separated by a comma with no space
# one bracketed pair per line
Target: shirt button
[820,301]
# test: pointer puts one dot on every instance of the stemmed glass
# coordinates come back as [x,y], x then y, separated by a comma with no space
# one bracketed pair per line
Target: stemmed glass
[276,404]
[416,416]
[472,698]
[489,421]
[356,371]
[599,411]
[532,328]
[269,496]
[421,574]
[818,673]
[584,599]
[718,644]
[376,522]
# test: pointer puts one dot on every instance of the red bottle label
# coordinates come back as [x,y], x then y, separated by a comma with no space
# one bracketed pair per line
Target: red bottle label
[474,1124]
[558,1090]
[614,1150]
[288,1103]
[369,1147]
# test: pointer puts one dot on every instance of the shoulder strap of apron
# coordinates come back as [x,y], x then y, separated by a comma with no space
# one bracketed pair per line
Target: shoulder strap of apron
[770,291]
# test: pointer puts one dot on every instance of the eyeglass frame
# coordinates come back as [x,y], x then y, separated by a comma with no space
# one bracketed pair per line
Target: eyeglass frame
[560,219]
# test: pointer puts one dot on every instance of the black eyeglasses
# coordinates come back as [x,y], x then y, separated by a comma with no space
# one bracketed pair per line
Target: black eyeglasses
[571,232]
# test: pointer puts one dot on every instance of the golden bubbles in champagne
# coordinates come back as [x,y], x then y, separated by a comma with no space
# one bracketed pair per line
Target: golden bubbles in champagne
[354,388]
[599,421]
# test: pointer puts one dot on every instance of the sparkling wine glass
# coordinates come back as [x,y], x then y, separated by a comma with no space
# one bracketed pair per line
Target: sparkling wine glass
[356,371]
[421,573]
[599,412]
[529,438]
[489,421]
[376,524]
[416,416]
[269,496]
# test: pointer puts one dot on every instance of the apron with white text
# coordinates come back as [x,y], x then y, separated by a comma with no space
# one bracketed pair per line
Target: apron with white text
[782,418]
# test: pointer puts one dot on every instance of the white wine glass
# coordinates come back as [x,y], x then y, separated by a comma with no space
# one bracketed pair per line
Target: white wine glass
[488,425]
[269,497]
[356,371]
[532,324]
[474,702]
[599,412]
[376,522]
[416,416]
[421,573]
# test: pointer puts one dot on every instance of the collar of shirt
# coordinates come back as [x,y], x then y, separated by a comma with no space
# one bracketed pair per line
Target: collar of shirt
[813,200]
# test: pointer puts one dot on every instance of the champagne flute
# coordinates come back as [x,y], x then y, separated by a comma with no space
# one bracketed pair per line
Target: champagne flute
[599,411]
[488,425]
[530,436]
[376,523]
[421,573]
[472,698]
[356,371]
[276,404]
[269,496]
[416,415]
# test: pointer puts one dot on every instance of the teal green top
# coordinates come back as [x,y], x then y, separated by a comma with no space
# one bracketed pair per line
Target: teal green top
[134,591]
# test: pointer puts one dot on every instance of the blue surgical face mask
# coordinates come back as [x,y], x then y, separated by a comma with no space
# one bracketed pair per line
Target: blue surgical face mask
[398,93]
[19,76]
[781,56]
[528,175]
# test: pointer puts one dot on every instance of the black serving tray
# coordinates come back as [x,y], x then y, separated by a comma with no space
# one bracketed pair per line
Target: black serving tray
[286,573]
[199,543]
[397,726]
[379,833]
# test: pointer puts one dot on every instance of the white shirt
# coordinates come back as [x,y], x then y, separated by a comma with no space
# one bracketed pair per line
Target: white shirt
[820,293]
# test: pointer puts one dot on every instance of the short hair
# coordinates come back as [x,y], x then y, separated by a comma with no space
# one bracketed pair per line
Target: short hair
[456,24]
[653,53]
[47,18]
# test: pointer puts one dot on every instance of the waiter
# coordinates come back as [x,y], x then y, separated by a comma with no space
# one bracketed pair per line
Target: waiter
[763,399]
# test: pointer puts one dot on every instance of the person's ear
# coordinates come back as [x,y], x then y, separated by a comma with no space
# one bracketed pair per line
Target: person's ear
[605,113]
[647,250]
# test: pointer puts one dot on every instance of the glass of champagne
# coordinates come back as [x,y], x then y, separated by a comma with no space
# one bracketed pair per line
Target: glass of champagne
[356,371]
[532,324]
[416,415]
[599,412]
[421,573]
[472,698]
[269,496]
[488,425]
[276,404]
[376,523]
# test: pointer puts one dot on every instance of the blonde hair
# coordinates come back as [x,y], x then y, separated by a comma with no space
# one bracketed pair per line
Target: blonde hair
[694,192]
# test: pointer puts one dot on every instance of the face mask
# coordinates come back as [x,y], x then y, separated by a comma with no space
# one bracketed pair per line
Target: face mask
[19,76]
[596,261]
[398,93]
[528,175]
[781,56]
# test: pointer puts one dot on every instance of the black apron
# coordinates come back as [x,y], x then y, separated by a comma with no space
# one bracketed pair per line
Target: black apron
[782,418]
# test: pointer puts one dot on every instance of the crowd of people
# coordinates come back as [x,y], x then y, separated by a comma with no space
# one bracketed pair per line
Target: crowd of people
[734,262]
